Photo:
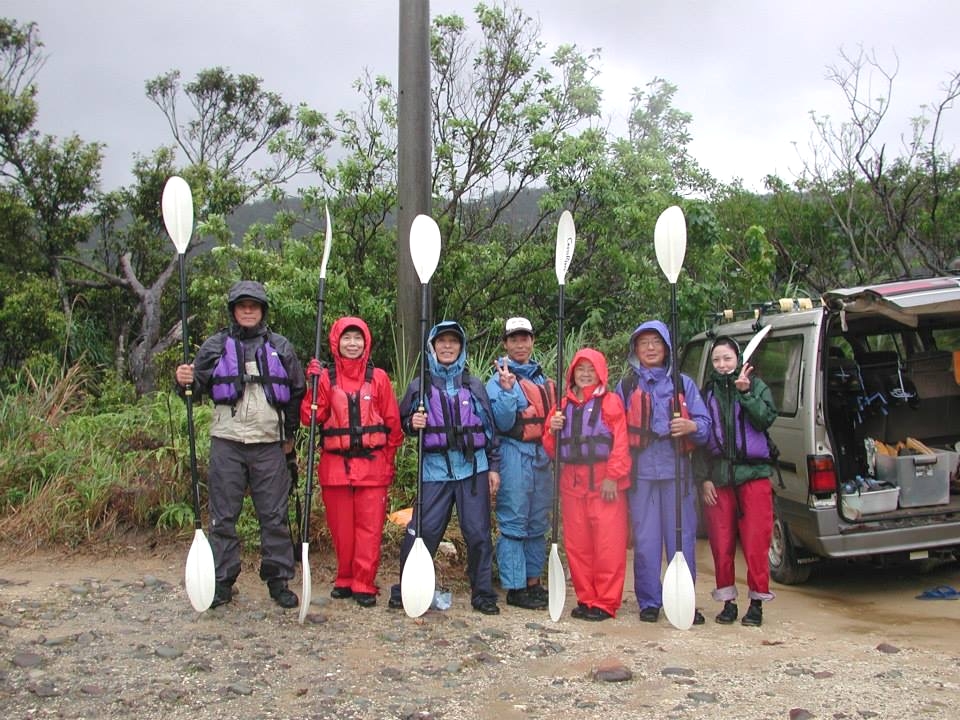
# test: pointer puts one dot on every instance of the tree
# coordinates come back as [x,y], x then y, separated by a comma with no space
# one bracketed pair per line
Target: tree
[47,184]
[242,141]
[891,212]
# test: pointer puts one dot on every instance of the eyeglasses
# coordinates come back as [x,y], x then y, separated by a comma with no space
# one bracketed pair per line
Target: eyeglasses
[654,343]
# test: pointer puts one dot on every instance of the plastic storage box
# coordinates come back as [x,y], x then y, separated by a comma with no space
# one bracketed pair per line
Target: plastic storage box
[922,479]
[870,502]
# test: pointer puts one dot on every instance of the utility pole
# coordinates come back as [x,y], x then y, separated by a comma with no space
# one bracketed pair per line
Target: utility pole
[413,162]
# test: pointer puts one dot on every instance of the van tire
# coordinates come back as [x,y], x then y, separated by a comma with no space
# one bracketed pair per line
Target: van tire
[784,567]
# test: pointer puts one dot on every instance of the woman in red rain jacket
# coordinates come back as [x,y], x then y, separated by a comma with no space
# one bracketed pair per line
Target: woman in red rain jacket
[588,436]
[357,460]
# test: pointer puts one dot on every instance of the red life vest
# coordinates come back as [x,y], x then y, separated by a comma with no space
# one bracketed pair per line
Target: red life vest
[529,424]
[640,416]
[355,427]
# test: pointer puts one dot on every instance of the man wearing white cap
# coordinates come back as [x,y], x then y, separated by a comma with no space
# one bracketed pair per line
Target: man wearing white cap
[520,395]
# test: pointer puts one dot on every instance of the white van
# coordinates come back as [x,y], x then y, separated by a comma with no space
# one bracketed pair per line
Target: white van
[866,364]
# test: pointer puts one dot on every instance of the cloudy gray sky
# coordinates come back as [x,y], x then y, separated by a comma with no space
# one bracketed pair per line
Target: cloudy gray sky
[749,71]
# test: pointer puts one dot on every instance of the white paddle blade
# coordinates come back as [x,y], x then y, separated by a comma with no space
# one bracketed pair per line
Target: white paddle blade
[755,343]
[670,241]
[424,246]
[200,575]
[307,589]
[679,597]
[418,580]
[556,584]
[566,239]
[327,241]
[177,206]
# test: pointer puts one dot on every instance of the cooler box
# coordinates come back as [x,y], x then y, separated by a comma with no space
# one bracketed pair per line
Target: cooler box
[922,479]
[869,502]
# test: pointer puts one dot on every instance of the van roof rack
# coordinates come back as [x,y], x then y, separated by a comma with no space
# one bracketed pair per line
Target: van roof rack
[759,309]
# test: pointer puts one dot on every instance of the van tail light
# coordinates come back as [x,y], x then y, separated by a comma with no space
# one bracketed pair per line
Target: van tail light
[822,474]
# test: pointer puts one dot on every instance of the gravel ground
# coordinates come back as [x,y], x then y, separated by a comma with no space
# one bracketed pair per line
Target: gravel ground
[114,636]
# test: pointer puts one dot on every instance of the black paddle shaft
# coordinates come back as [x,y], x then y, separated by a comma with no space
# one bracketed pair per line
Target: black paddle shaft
[677,442]
[188,394]
[559,386]
[424,299]
[311,441]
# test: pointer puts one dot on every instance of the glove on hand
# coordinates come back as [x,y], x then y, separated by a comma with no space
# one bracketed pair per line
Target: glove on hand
[314,368]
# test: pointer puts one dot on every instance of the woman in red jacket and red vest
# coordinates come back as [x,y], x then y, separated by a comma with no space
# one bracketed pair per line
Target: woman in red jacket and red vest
[360,432]
[589,437]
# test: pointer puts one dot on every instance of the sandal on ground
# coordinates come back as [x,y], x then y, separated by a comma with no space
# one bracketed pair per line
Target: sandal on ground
[941,592]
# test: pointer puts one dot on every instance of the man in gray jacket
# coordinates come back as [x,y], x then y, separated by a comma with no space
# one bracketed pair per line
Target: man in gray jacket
[256,383]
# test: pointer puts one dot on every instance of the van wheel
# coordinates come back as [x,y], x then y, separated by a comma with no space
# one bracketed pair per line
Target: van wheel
[784,567]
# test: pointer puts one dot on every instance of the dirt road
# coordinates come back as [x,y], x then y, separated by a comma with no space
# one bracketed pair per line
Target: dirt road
[114,636]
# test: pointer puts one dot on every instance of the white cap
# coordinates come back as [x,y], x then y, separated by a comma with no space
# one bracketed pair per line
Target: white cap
[517,324]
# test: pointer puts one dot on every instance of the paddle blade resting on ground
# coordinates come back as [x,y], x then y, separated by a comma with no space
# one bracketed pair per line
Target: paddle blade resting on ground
[556,584]
[670,242]
[418,580]
[679,596]
[200,574]
[307,589]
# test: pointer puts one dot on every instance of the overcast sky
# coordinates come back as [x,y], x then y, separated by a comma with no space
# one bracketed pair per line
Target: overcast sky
[749,71]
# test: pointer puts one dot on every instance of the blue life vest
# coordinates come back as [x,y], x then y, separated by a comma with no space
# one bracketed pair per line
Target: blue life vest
[229,378]
[585,438]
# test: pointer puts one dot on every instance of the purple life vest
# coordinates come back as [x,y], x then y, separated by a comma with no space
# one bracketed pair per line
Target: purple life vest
[585,438]
[750,444]
[229,378]
[452,422]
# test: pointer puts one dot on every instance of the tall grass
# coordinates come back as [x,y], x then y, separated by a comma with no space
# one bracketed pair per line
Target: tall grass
[72,471]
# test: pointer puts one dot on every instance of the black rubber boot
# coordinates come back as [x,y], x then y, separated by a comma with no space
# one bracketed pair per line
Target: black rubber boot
[754,615]
[281,594]
[522,598]
[728,614]
[222,594]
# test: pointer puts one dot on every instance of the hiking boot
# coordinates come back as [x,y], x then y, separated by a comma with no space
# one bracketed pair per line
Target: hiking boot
[579,612]
[340,592]
[487,607]
[754,615]
[395,603]
[366,599]
[698,618]
[596,614]
[522,598]
[728,614]
[222,594]
[650,614]
[281,594]
[539,592]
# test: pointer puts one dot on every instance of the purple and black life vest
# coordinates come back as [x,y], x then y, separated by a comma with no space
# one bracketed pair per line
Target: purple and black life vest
[585,438]
[229,378]
[452,422]
[750,445]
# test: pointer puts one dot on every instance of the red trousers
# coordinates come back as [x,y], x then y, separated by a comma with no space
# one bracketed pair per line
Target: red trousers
[355,516]
[744,512]
[595,538]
